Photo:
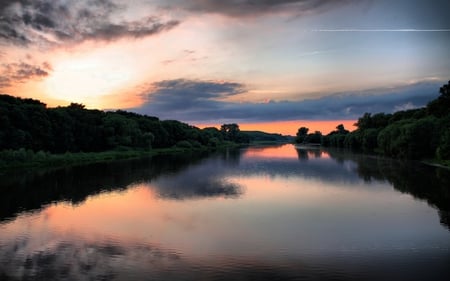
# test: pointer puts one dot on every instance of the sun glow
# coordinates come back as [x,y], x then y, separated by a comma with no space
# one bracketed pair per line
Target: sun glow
[86,79]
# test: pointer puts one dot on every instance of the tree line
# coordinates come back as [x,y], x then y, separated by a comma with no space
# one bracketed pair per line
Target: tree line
[422,133]
[28,124]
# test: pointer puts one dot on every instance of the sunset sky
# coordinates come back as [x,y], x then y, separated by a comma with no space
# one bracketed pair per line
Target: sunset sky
[265,64]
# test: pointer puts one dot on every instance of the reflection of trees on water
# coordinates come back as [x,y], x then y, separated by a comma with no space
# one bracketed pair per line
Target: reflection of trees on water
[203,180]
[305,154]
[197,175]
[30,190]
[421,181]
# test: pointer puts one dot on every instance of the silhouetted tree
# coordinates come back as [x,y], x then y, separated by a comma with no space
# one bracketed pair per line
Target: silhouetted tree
[440,107]
[302,133]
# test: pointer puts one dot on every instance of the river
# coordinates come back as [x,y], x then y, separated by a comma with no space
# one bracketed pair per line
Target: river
[257,213]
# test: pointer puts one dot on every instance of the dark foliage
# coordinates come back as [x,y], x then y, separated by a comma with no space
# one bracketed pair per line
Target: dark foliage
[28,124]
[258,136]
[231,132]
[422,133]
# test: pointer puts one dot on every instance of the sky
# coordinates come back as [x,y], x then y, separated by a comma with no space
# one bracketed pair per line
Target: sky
[264,64]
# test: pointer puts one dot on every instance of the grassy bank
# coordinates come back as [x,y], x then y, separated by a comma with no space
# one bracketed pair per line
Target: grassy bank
[22,158]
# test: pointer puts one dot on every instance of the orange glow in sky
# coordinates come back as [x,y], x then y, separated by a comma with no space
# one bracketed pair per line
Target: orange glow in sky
[223,60]
[291,127]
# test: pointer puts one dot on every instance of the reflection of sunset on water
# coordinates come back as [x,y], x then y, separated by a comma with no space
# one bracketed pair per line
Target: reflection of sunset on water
[244,208]
[197,227]
[284,151]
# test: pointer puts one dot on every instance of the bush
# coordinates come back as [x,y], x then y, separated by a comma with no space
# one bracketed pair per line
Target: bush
[195,144]
[184,144]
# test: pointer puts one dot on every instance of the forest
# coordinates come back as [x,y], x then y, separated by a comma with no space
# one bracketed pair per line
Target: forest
[33,135]
[28,124]
[28,128]
[422,133]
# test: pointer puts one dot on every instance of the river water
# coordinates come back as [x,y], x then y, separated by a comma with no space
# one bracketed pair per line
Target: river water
[258,213]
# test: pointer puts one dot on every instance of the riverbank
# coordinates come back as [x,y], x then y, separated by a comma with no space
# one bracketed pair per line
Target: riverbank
[438,163]
[15,159]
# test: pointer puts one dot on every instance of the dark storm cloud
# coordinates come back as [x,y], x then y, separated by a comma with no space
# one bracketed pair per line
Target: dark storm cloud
[21,72]
[136,29]
[244,8]
[184,94]
[25,22]
[197,101]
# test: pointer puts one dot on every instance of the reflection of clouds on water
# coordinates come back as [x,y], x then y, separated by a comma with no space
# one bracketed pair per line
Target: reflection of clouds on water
[309,165]
[81,260]
[121,260]
[202,181]
[28,190]
[67,255]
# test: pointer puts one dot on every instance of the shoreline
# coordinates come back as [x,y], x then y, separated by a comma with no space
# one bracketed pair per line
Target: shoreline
[437,164]
[29,159]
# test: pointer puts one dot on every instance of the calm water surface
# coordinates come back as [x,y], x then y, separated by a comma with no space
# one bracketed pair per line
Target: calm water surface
[260,213]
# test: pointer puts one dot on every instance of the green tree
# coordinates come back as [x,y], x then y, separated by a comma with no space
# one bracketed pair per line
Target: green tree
[369,139]
[120,131]
[211,136]
[364,122]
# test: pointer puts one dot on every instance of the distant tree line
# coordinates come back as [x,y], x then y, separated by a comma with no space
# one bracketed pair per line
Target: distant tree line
[28,124]
[421,133]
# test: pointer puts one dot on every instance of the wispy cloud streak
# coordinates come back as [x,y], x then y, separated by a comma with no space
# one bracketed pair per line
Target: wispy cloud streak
[381,30]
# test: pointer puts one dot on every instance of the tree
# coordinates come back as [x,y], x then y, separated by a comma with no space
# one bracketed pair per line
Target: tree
[315,138]
[229,131]
[369,139]
[121,131]
[440,107]
[302,133]
[341,130]
[211,136]
[364,122]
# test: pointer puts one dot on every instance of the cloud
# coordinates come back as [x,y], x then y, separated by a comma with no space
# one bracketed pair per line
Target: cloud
[250,8]
[182,94]
[406,106]
[188,56]
[198,181]
[51,22]
[200,101]
[382,30]
[80,259]
[21,72]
